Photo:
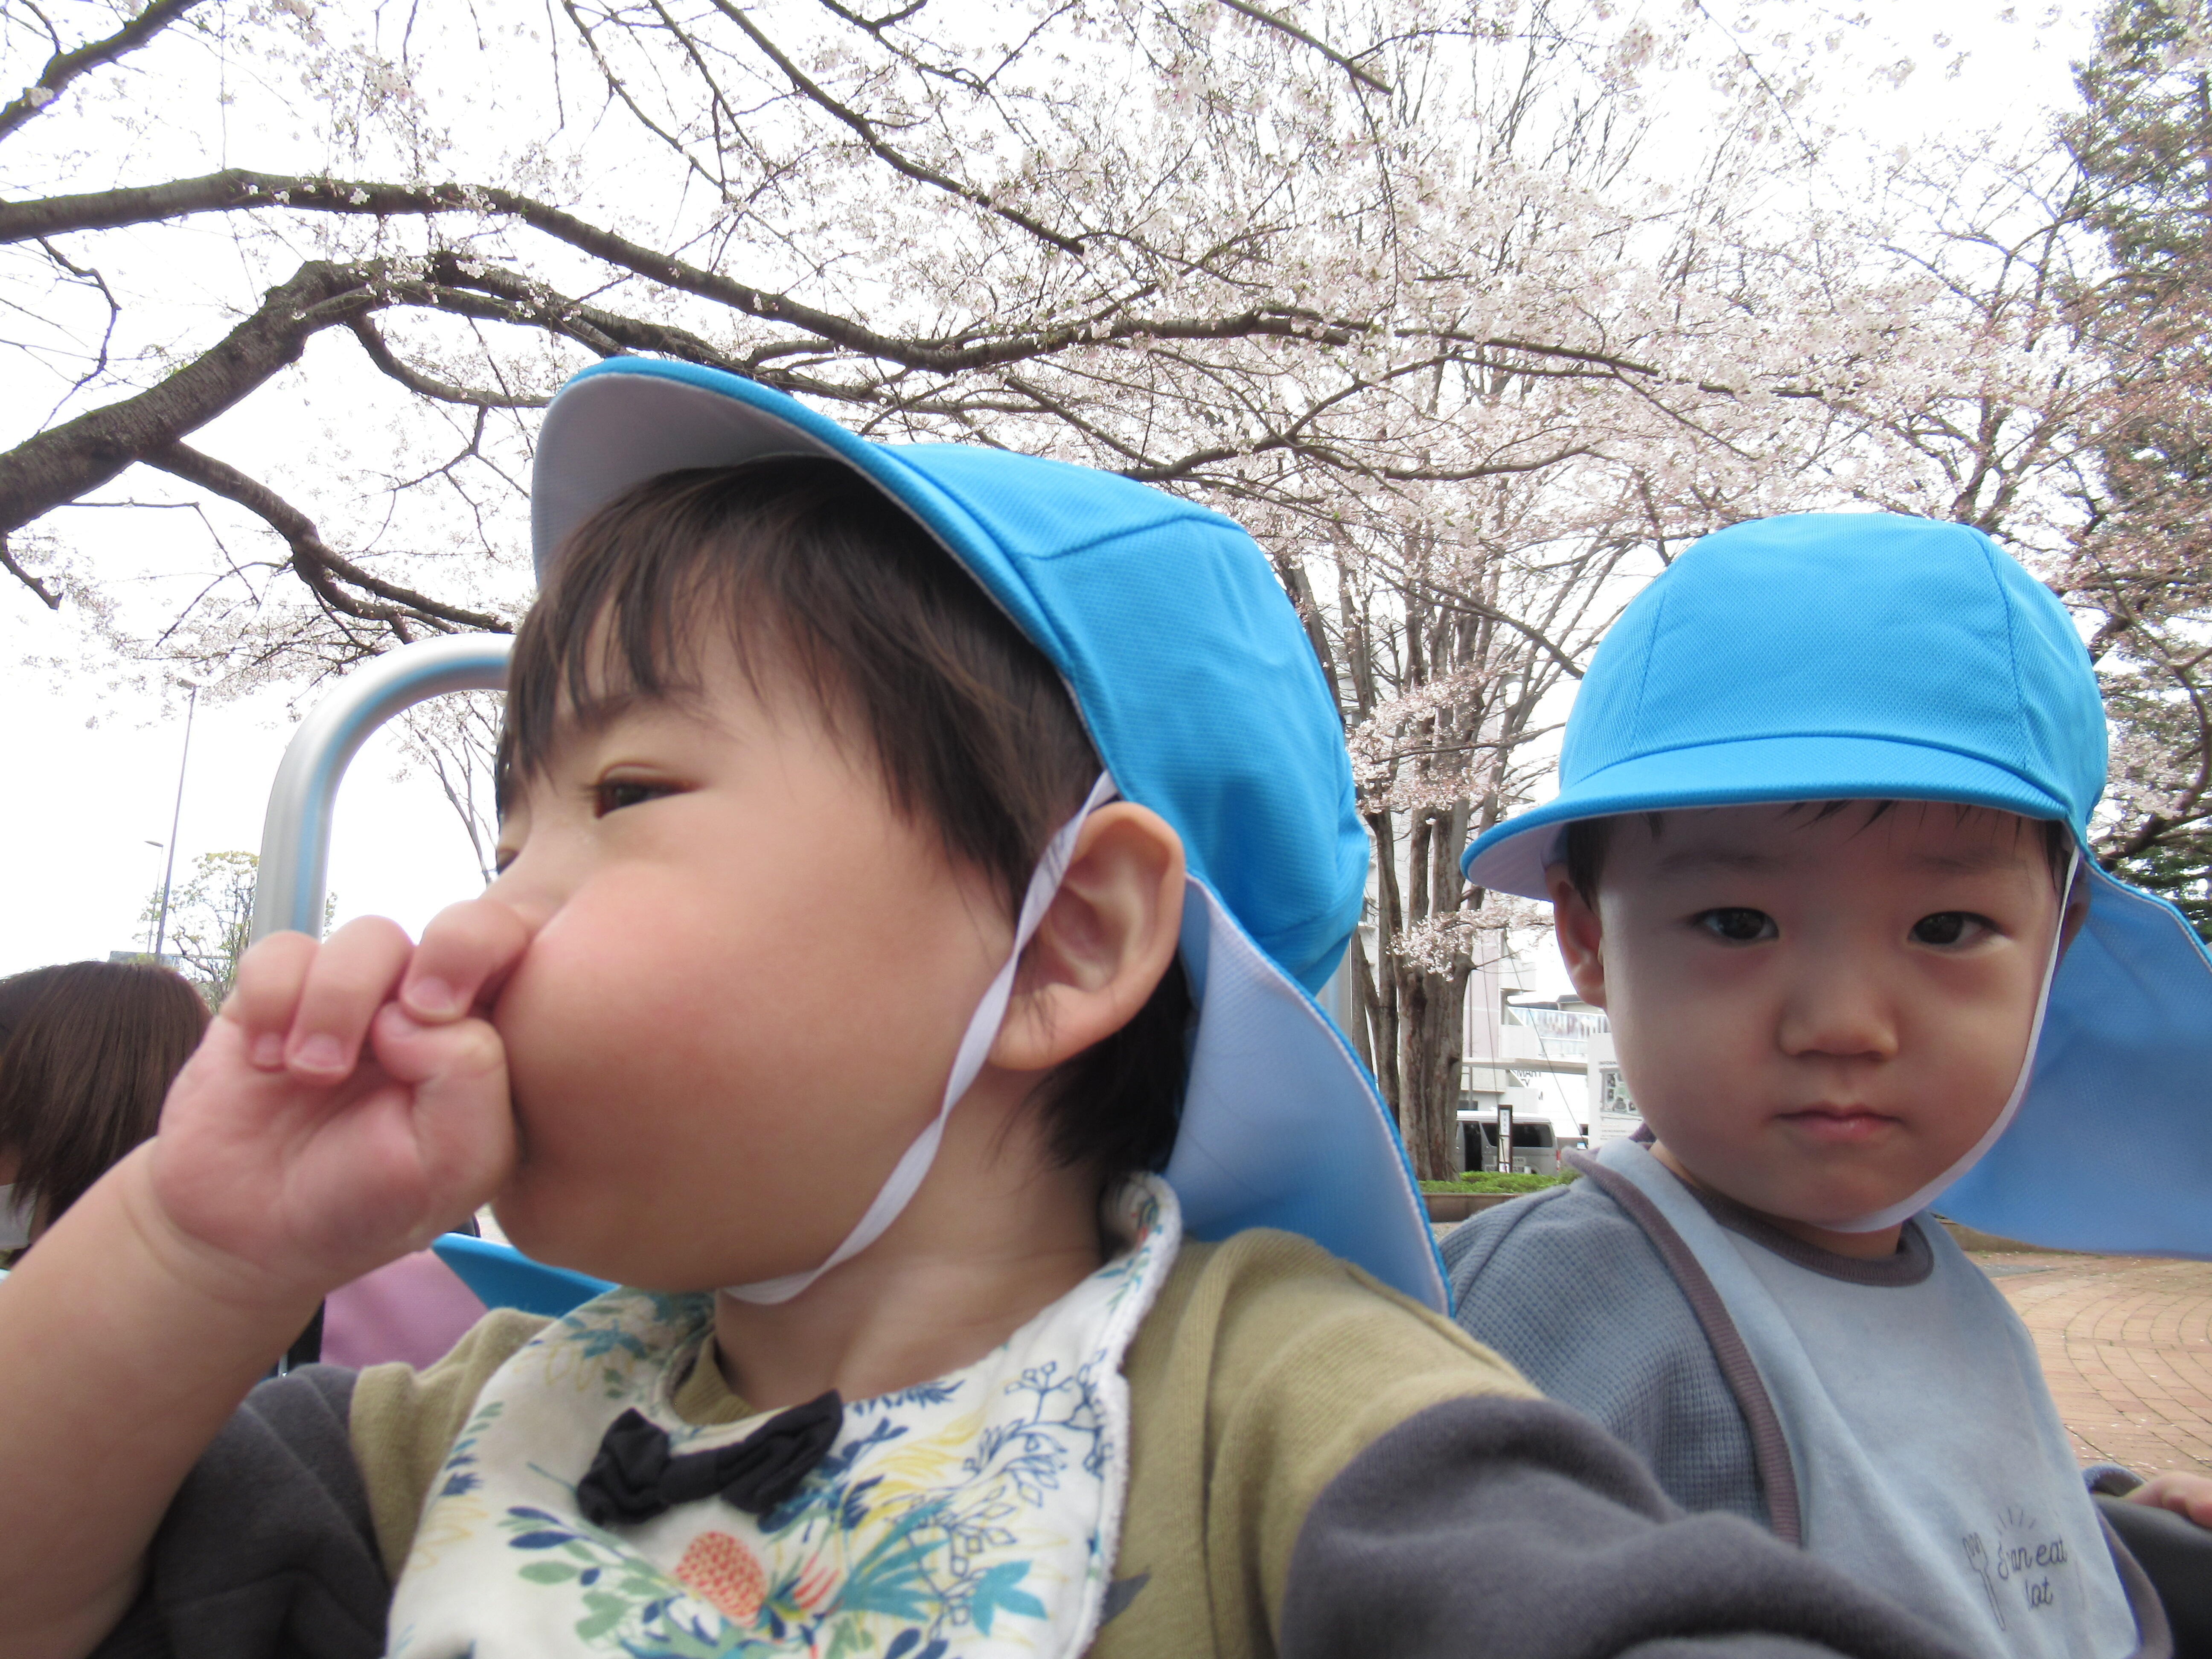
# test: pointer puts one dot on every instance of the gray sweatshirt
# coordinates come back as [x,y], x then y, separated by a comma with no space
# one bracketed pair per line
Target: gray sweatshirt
[1888,1415]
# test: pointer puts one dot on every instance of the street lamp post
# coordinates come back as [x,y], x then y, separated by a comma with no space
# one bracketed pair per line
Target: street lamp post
[157,846]
[169,869]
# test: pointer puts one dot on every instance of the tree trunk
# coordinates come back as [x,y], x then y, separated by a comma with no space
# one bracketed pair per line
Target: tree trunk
[1434,1046]
[1387,915]
[1362,1001]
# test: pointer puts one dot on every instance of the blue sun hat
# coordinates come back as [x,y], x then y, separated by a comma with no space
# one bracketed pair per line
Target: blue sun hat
[1199,690]
[1868,656]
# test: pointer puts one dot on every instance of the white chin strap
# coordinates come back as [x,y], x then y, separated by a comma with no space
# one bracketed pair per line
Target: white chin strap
[905,1177]
[1920,1201]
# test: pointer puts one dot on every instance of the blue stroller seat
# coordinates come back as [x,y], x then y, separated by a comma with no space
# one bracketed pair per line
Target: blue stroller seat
[502,1277]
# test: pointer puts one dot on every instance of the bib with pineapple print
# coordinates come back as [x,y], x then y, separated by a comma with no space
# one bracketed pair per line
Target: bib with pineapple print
[976,1514]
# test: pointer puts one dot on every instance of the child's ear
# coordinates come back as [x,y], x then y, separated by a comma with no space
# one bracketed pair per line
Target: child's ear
[1582,936]
[1103,944]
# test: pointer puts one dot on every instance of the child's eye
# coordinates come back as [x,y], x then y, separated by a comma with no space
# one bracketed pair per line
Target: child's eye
[613,794]
[1738,926]
[1948,927]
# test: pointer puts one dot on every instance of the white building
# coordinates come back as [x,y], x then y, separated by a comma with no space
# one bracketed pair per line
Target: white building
[1546,1062]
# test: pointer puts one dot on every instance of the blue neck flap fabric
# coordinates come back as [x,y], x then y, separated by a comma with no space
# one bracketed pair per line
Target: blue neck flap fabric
[1196,681]
[1875,657]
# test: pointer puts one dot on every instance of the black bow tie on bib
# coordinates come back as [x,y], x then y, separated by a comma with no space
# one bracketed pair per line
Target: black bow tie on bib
[634,1478]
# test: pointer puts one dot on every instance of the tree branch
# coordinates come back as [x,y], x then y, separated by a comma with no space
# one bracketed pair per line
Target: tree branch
[47,595]
[238,189]
[318,565]
[68,461]
[242,189]
[65,67]
[1283,25]
[1462,600]
[473,289]
[896,160]
[381,354]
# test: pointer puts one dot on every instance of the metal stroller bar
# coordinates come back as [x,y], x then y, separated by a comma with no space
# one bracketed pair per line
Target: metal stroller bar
[296,834]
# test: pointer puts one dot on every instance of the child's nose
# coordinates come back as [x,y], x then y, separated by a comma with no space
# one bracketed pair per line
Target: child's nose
[528,887]
[1841,1008]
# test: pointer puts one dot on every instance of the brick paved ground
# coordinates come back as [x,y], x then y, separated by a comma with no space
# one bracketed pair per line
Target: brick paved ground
[2126,1343]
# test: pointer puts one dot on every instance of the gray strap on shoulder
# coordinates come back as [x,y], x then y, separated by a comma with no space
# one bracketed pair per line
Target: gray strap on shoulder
[1769,1449]
[2155,1635]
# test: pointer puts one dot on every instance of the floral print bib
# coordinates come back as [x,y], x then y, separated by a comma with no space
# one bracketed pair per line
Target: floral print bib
[976,1515]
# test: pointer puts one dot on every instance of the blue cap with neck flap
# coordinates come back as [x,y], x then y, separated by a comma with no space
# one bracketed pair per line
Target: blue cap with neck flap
[1199,689]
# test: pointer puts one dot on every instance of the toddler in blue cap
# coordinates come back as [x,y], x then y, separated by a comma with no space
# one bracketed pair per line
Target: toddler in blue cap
[917,865]
[1817,851]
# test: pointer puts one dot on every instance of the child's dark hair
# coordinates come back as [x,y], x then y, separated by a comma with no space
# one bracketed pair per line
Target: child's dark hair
[807,567]
[1588,840]
[88,1051]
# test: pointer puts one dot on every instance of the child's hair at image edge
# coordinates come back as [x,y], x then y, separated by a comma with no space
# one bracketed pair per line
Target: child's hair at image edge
[91,1051]
[824,587]
[1588,840]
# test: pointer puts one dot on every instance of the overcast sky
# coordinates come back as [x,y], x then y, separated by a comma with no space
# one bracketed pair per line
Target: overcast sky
[91,760]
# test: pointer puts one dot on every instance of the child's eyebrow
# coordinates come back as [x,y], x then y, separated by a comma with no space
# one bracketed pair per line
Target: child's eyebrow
[1698,860]
[601,709]
[1975,863]
[1743,860]
[587,715]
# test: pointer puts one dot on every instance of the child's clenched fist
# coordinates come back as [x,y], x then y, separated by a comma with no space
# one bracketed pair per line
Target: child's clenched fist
[347,1104]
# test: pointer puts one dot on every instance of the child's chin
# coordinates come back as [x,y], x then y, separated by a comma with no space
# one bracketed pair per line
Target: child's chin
[1841,1212]
[625,1261]
[585,1232]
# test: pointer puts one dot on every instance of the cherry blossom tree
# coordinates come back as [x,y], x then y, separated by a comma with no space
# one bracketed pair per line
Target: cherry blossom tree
[2141,556]
[2082,440]
[1432,300]
[1233,282]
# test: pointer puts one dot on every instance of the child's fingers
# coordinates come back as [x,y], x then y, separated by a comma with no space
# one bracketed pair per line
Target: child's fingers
[417,1054]
[266,994]
[466,950]
[2184,1494]
[351,976]
[463,1125]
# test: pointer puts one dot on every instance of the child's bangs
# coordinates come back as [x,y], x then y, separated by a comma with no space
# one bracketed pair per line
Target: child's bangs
[642,589]
[1588,840]
[2056,838]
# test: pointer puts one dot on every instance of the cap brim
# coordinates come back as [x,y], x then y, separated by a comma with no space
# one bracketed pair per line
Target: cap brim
[620,423]
[1511,858]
